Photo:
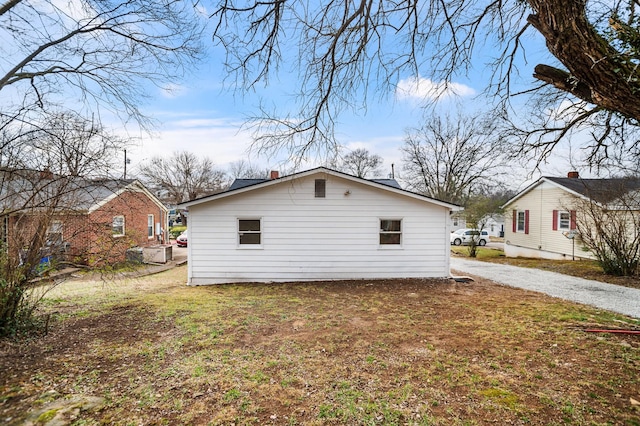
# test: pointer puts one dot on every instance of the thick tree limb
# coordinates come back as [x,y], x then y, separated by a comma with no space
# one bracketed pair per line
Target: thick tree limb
[596,72]
[563,81]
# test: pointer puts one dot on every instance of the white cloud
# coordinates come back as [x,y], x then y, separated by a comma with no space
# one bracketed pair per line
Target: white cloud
[218,138]
[74,9]
[568,110]
[422,89]
[387,147]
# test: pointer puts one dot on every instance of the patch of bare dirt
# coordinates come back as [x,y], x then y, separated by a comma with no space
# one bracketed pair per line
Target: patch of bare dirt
[347,352]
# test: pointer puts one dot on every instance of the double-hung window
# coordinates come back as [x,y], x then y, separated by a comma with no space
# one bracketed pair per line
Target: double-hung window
[249,232]
[390,231]
[150,226]
[54,233]
[521,221]
[564,220]
[117,226]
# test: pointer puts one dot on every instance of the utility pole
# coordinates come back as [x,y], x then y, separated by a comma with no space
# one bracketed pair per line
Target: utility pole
[126,161]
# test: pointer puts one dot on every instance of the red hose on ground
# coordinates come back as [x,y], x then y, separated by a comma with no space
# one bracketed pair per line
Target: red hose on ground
[594,330]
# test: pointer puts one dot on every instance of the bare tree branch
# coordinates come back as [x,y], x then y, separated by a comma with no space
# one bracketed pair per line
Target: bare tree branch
[451,159]
[350,49]
[184,175]
[98,54]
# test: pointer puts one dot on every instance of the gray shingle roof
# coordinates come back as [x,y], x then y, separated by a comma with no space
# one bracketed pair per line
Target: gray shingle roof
[27,189]
[600,190]
[241,183]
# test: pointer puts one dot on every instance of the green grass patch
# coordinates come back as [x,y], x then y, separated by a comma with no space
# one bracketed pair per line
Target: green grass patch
[482,253]
[362,352]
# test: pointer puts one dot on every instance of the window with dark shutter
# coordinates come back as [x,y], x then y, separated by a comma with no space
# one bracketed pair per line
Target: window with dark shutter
[521,221]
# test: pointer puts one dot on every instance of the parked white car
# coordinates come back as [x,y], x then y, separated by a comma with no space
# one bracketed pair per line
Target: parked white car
[464,236]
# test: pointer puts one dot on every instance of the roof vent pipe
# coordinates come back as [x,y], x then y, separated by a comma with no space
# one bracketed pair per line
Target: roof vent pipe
[573,175]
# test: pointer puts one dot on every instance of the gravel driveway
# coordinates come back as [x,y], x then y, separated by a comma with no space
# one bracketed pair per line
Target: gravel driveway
[611,297]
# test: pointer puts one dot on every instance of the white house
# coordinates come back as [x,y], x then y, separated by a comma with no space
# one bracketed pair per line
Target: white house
[541,219]
[316,225]
[492,223]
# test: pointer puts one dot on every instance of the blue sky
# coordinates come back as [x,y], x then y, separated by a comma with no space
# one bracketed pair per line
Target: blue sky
[203,116]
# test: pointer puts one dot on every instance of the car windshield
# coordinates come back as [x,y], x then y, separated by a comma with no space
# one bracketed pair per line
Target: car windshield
[459,231]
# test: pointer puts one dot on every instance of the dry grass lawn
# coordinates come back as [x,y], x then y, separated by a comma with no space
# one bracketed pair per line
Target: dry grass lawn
[388,352]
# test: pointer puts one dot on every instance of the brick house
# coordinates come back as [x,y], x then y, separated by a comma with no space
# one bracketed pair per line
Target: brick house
[88,222]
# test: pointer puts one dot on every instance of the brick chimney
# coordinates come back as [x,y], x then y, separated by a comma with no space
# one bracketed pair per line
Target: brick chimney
[46,174]
[274,174]
[573,175]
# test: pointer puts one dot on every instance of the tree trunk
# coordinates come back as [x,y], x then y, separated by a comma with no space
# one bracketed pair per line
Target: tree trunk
[597,73]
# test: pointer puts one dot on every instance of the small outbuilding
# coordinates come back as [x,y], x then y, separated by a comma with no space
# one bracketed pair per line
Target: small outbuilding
[319,224]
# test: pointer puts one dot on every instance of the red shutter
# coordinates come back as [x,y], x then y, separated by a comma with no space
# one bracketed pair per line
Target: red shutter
[555,220]
[515,221]
[573,219]
[526,221]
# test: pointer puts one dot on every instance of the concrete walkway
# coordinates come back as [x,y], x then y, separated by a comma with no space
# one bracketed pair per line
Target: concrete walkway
[611,297]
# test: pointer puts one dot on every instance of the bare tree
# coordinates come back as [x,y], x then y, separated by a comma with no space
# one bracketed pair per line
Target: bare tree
[608,225]
[348,50]
[45,178]
[63,143]
[242,169]
[361,163]
[60,62]
[184,175]
[452,159]
[88,55]
[477,212]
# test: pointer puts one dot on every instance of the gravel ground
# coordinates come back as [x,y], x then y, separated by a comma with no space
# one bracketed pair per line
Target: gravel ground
[611,297]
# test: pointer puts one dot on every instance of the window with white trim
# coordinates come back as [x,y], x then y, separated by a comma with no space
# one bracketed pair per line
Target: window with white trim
[564,220]
[117,226]
[150,226]
[54,233]
[249,232]
[390,231]
[521,221]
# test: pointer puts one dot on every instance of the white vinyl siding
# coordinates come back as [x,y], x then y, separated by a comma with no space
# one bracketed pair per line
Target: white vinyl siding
[304,239]
[543,202]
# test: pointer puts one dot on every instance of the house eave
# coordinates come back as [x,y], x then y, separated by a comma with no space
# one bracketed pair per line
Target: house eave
[537,183]
[295,176]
